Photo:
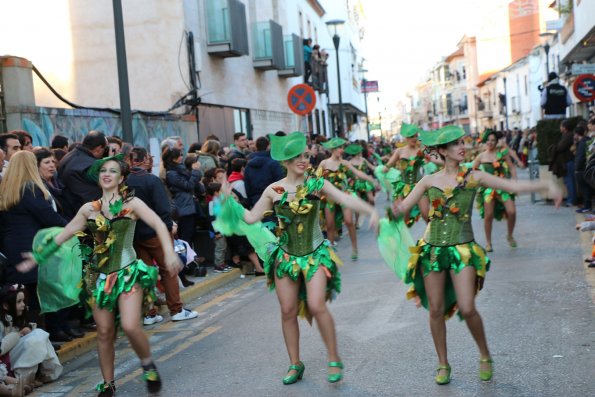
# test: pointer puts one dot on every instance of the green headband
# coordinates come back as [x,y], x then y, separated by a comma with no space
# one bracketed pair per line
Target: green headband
[486,134]
[444,135]
[334,143]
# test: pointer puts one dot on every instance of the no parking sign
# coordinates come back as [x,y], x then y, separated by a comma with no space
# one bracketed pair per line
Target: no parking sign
[301,99]
[584,87]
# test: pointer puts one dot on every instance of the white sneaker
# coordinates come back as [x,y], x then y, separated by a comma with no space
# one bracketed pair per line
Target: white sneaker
[185,314]
[150,320]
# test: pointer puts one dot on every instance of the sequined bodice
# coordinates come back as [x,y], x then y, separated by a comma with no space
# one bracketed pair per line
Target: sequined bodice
[338,177]
[450,216]
[113,244]
[301,227]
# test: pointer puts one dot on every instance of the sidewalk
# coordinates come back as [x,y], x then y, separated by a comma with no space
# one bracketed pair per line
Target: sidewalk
[202,286]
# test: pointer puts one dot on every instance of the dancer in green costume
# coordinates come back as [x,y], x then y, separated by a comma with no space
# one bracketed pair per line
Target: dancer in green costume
[299,263]
[495,203]
[116,281]
[338,172]
[447,268]
[409,159]
[363,188]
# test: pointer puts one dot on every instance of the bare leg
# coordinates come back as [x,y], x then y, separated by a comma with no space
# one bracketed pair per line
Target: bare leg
[424,207]
[348,219]
[434,285]
[287,294]
[464,284]
[510,209]
[316,288]
[130,306]
[488,220]
[329,216]
[254,259]
[106,334]
[371,198]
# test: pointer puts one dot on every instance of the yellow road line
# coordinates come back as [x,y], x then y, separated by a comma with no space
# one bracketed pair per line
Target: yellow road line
[167,327]
[136,373]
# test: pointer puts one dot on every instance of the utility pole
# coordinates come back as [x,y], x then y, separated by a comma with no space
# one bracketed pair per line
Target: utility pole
[125,112]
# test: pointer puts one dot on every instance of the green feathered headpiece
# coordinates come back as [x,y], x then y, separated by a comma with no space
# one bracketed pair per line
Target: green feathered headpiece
[486,134]
[334,143]
[93,171]
[408,130]
[354,149]
[444,135]
[288,146]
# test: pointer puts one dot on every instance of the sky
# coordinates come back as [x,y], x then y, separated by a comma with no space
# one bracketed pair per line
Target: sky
[405,38]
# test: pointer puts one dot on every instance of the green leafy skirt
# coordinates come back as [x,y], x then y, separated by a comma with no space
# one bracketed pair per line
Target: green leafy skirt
[485,195]
[426,258]
[103,290]
[302,269]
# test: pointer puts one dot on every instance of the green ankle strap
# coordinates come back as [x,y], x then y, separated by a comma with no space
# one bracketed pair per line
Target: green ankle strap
[337,364]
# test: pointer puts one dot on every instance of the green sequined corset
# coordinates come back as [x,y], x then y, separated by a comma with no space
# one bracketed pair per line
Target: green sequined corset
[113,249]
[302,228]
[411,169]
[339,177]
[450,216]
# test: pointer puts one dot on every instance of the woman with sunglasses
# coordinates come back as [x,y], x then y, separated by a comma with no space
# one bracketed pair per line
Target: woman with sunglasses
[299,263]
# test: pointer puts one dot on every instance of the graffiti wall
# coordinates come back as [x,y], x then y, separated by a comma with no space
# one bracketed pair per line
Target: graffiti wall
[43,123]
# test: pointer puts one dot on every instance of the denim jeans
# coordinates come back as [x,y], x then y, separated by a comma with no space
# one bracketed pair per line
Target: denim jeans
[570,183]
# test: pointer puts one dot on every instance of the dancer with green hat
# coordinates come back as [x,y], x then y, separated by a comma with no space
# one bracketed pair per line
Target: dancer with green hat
[338,172]
[494,203]
[299,263]
[446,268]
[409,159]
[116,283]
[363,188]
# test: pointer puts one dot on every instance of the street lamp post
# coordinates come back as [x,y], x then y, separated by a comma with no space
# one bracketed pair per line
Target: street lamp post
[364,82]
[333,27]
[125,112]
[546,47]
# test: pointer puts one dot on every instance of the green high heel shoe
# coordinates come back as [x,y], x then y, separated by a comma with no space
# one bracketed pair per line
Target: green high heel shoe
[332,378]
[486,375]
[291,379]
[442,379]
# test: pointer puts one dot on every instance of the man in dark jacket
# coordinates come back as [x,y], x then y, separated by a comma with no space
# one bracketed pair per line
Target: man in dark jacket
[150,190]
[580,162]
[562,161]
[79,189]
[261,171]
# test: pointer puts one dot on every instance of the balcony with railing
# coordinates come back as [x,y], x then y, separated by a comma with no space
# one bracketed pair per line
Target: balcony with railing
[227,31]
[268,46]
[294,57]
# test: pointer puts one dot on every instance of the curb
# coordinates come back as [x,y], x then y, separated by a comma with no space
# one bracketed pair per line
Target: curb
[587,246]
[77,347]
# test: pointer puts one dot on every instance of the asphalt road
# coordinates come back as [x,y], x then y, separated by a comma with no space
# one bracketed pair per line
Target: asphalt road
[536,305]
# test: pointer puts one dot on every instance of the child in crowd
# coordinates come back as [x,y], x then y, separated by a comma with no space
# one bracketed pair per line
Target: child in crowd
[213,192]
[584,227]
[25,349]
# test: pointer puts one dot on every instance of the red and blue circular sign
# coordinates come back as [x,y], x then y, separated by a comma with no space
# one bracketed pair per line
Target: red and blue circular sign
[301,99]
[584,87]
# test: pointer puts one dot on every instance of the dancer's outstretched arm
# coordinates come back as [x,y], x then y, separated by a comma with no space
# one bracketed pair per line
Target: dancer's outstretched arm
[513,186]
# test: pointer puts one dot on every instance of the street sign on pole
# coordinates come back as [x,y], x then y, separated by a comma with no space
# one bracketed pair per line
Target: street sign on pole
[301,99]
[582,68]
[369,86]
[584,87]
